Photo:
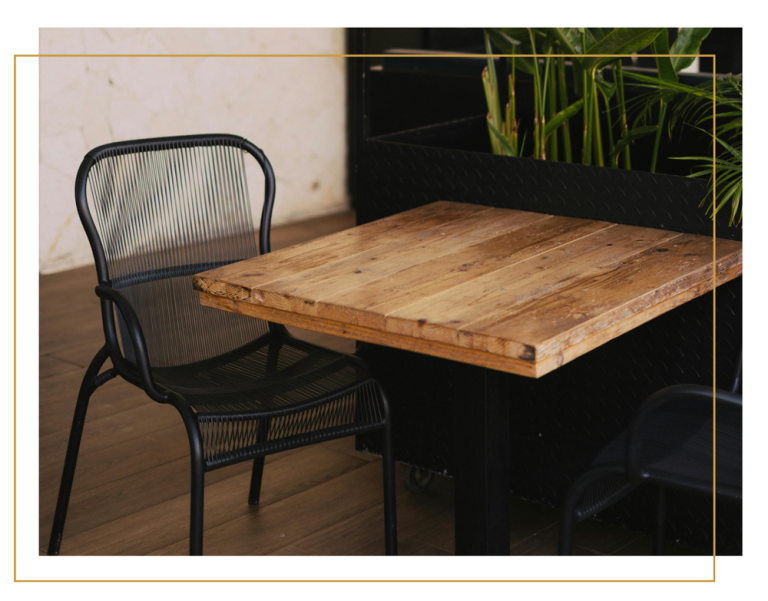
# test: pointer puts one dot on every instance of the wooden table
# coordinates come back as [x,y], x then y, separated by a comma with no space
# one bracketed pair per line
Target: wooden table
[512,291]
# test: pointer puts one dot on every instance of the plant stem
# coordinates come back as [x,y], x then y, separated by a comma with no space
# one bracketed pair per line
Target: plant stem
[537,102]
[597,136]
[543,110]
[552,95]
[586,149]
[536,137]
[491,86]
[564,103]
[495,145]
[657,142]
[623,112]
[610,123]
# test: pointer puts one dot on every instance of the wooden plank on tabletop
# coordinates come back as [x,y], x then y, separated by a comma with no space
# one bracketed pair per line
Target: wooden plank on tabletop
[605,300]
[448,317]
[370,303]
[301,291]
[546,364]
[236,280]
[408,343]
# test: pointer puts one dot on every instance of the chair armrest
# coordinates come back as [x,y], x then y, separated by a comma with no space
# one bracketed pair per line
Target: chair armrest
[681,392]
[138,343]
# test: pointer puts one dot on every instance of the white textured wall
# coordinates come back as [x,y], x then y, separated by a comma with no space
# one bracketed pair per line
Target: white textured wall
[292,108]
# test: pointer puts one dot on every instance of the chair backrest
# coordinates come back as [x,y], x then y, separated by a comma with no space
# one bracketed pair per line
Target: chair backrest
[158,211]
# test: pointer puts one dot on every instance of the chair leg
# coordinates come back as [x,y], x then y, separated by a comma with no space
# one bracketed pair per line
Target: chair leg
[390,511]
[568,517]
[568,521]
[661,518]
[258,463]
[198,479]
[91,381]
[196,508]
[256,474]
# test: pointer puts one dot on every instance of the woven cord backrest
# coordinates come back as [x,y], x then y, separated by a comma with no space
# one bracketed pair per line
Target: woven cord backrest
[164,212]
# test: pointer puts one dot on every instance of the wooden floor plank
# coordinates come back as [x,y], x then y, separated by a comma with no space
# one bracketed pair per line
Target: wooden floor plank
[98,509]
[165,522]
[58,397]
[292,519]
[52,366]
[363,534]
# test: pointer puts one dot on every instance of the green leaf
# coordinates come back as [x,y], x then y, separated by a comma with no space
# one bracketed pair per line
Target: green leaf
[622,40]
[688,42]
[635,134]
[708,160]
[656,83]
[729,148]
[608,89]
[597,33]
[735,206]
[569,39]
[562,117]
[502,40]
[506,42]
[664,63]
[578,78]
[503,142]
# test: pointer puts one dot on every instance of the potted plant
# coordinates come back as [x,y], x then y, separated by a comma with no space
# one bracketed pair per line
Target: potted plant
[563,419]
[603,95]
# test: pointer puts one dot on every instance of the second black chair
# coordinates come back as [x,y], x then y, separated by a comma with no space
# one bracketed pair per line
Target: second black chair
[669,444]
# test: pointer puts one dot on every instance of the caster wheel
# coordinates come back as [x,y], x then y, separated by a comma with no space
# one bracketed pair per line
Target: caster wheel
[416,480]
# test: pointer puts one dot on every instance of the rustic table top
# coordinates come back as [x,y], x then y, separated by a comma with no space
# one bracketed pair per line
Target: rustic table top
[510,290]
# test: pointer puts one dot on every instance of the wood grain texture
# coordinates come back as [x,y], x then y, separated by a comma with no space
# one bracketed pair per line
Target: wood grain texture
[512,290]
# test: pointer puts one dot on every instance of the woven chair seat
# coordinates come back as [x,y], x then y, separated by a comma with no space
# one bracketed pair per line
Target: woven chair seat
[273,394]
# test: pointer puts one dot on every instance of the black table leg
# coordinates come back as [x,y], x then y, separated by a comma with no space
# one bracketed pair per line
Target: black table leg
[481,429]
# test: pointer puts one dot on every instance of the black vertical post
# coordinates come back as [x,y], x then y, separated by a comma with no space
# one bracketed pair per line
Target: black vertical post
[482,468]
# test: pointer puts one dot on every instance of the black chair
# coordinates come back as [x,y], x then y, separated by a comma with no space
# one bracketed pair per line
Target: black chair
[668,444]
[166,209]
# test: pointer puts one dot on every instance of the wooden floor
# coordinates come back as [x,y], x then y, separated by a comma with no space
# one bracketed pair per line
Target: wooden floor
[131,490]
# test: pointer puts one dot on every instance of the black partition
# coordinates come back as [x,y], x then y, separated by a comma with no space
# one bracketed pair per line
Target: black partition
[560,421]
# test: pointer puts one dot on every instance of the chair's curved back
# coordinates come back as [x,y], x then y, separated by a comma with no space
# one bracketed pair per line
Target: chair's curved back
[158,211]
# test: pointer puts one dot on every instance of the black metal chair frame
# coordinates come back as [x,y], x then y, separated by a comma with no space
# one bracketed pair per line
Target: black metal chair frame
[140,372]
[632,472]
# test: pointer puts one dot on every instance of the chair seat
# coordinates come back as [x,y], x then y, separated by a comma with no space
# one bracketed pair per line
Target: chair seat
[678,442]
[676,446]
[273,394]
